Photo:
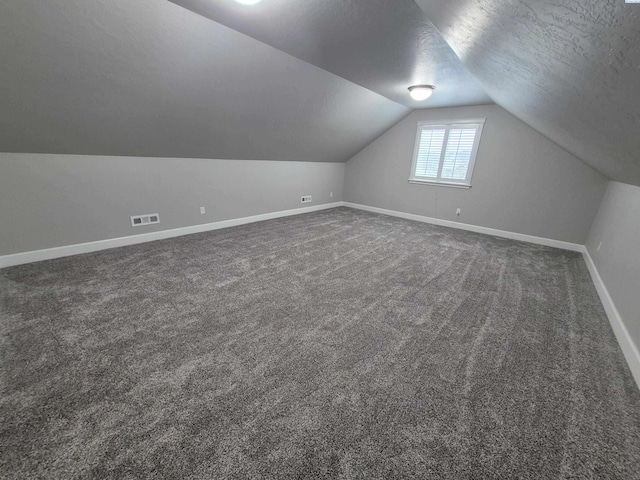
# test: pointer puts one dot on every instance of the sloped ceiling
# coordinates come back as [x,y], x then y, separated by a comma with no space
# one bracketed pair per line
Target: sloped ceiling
[570,69]
[383,45]
[313,80]
[149,78]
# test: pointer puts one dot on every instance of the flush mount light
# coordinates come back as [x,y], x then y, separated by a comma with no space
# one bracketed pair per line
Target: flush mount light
[248,2]
[421,92]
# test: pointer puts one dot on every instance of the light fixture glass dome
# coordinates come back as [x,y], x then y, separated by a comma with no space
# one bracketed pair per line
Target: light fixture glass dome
[421,92]
[248,2]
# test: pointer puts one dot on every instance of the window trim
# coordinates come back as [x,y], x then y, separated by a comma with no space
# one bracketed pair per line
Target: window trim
[448,124]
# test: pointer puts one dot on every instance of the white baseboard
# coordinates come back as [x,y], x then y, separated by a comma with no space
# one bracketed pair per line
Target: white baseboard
[65,251]
[629,349]
[549,242]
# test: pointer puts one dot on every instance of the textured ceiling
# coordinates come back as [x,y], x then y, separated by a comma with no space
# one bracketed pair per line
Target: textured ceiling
[149,78]
[570,69]
[383,45]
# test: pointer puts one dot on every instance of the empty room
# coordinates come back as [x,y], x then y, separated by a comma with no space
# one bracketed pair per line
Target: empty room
[350,239]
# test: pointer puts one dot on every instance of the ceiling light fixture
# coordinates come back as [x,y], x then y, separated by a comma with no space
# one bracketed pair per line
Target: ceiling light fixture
[421,92]
[248,2]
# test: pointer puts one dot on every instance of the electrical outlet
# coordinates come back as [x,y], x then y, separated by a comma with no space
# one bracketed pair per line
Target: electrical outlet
[305,199]
[458,211]
[202,211]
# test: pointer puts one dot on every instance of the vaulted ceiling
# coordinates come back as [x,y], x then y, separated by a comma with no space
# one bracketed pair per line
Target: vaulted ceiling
[149,78]
[570,69]
[312,80]
[382,45]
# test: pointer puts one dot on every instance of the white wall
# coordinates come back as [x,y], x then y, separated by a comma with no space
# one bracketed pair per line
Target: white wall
[55,200]
[522,182]
[614,246]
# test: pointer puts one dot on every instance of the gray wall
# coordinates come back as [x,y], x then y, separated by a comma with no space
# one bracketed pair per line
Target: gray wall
[54,200]
[616,231]
[522,181]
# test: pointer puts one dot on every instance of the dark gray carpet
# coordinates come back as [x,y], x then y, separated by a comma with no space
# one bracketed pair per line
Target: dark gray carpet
[339,344]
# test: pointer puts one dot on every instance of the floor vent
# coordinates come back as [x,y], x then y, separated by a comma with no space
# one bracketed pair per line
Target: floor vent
[138,220]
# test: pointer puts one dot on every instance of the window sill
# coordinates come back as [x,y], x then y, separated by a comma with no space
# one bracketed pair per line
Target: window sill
[439,184]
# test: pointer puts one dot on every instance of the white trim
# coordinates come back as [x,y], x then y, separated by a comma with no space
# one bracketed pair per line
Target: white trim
[629,349]
[444,123]
[549,242]
[439,184]
[65,251]
[447,126]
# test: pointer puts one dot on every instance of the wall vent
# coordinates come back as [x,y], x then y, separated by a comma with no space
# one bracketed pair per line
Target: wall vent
[305,199]
[139,220]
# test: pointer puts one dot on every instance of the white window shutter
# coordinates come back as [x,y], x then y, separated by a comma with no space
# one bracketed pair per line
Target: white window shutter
[445,153]
[458,153]
[429,152]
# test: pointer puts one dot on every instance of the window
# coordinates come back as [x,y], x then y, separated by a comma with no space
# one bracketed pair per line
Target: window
[445,152]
